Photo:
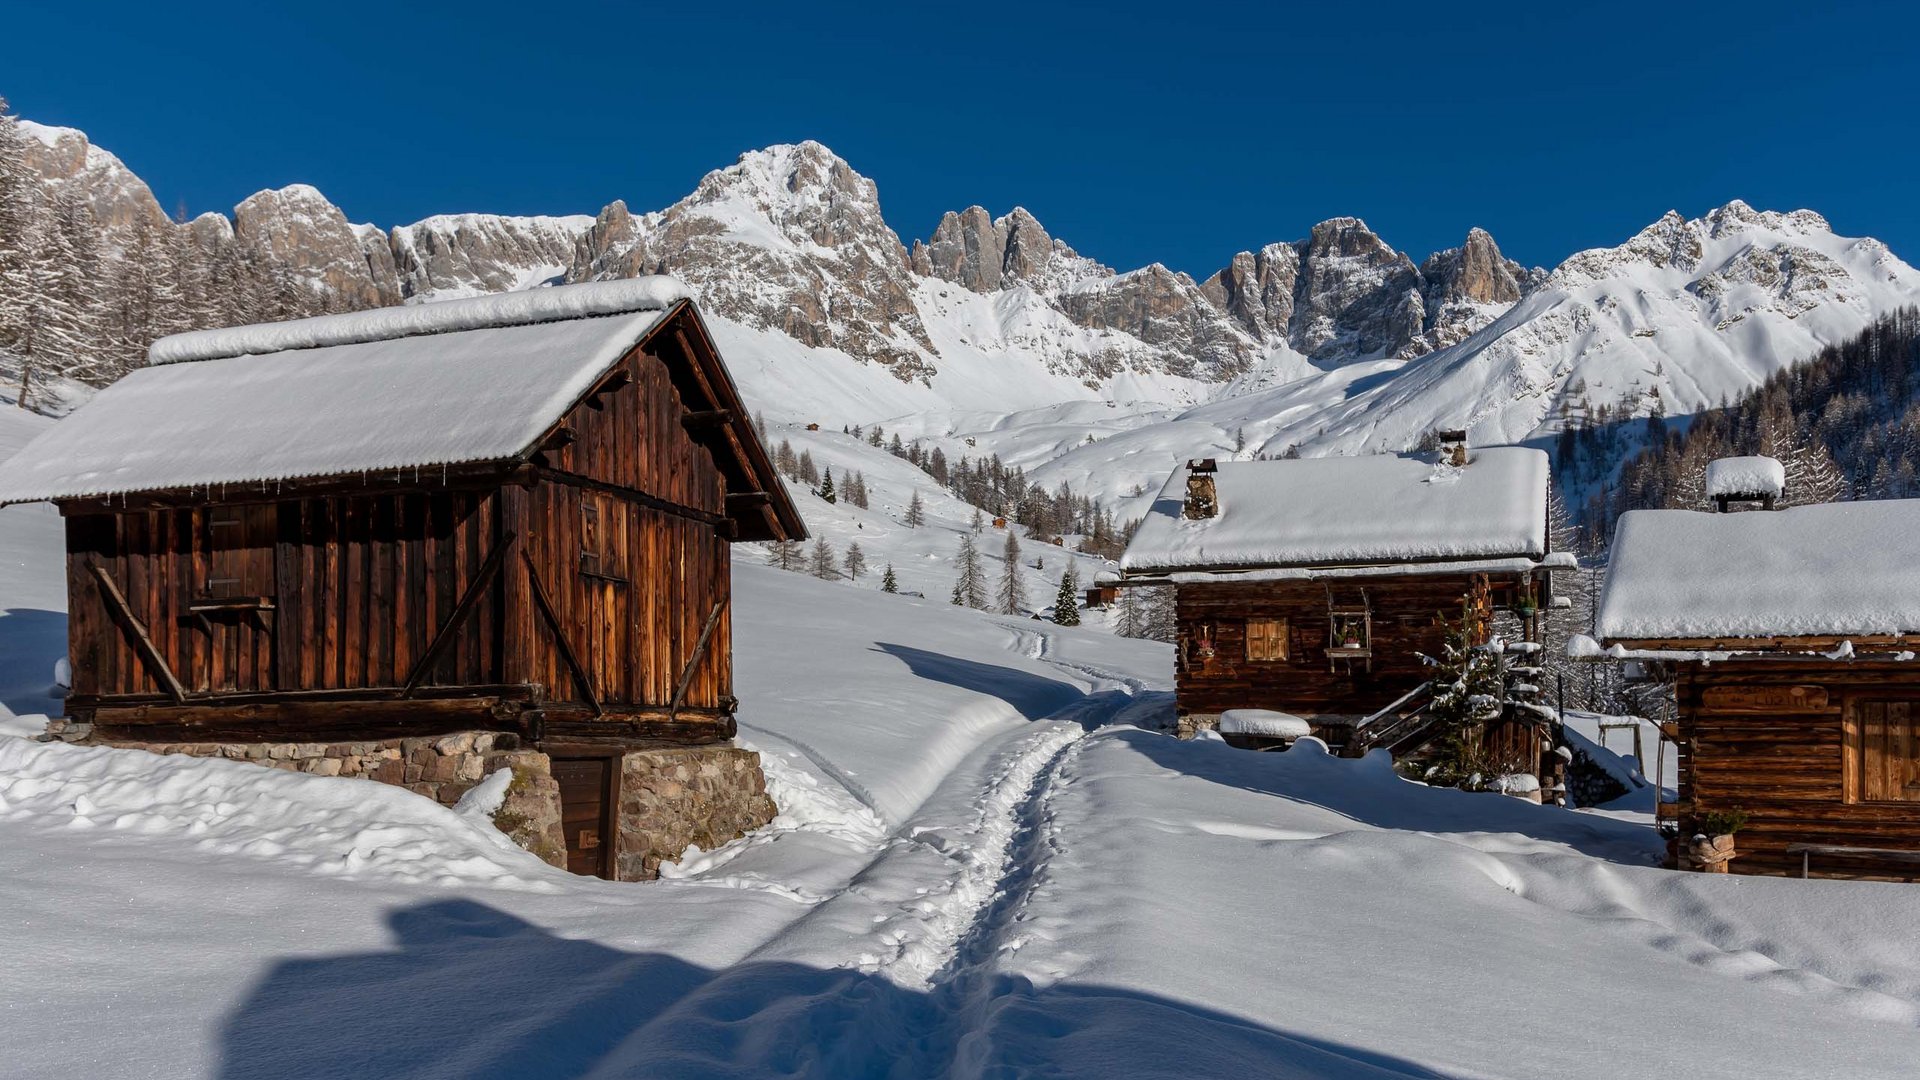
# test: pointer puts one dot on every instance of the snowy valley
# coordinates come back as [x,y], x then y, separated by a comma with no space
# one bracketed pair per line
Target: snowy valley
[991,856]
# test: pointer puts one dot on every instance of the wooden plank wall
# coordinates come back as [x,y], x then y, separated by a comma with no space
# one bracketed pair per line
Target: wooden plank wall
[1409,617]
[1786,767]
[634,622]
[358,587]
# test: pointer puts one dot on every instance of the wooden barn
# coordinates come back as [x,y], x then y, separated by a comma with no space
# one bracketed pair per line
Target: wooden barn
[505,514]
[1789,637]
[1311,589]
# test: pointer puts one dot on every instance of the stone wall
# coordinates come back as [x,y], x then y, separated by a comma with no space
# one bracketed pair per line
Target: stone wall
[441,767]
[673,798]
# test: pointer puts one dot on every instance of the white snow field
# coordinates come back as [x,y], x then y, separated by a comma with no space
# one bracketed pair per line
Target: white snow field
[985,865]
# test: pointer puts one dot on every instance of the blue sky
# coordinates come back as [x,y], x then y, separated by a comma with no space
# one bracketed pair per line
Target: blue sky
[1177,133]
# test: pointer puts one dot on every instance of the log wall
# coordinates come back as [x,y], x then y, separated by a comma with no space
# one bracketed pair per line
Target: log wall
[1785,764]
[1409,618]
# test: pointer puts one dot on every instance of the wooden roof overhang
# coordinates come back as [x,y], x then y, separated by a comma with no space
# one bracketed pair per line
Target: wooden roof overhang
[758,507]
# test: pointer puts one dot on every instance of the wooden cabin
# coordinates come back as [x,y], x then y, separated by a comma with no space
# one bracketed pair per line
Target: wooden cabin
[1313,588]
[1789,638]
[501,514]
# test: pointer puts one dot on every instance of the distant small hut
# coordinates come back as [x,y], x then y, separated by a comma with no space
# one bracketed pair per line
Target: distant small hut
[392,543]
[1789,638]
[1312,589]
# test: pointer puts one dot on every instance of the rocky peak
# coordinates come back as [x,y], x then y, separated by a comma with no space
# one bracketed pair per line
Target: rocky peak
[113,193]
[789,238]
[1256,290]
[297,228]
[984,254]
[1355,295]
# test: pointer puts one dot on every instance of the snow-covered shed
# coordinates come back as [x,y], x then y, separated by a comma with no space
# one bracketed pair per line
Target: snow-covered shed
[1314,586]
[1790,639]
[507,513]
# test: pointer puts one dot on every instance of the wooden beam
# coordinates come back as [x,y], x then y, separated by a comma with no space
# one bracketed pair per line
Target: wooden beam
[306,721]
[654,502]
[738,501]
[532,693]
[707,419]
[545,607]
[560,726]
[136,632]
[489,569]
[693,662]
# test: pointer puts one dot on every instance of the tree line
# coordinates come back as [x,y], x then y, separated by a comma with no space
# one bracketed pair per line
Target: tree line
[82,300]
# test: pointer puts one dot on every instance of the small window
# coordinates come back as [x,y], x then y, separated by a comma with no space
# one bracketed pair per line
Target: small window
[1266,639]
[590,538]
[1883,752]
[602,538]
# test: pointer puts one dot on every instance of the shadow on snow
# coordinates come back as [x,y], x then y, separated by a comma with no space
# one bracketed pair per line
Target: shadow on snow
[31,640]
[472,992]
[1035,697]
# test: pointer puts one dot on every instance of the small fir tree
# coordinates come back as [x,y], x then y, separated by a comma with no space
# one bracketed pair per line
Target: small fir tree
[826,487]
[916,511]
[784,554]
[824,566]
[1012,596]
[1066,603]
[889,583]
[969,586]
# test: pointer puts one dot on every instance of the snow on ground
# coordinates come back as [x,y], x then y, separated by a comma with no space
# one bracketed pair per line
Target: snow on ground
[985,865]
[33,588]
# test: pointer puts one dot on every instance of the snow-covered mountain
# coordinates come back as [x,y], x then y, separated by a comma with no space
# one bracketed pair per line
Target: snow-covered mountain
[994,336]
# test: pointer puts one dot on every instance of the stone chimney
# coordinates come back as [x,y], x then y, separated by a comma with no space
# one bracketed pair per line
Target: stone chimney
[1202,500]
[1453,448]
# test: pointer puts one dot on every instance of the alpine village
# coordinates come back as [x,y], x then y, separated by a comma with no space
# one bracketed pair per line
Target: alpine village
[723,638]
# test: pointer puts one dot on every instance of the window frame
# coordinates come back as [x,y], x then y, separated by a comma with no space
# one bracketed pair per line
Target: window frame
[1854,748]
[1279,638]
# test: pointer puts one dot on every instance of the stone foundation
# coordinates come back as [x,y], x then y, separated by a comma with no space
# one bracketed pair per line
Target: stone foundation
[669,798]
[1191,724]
[673,798]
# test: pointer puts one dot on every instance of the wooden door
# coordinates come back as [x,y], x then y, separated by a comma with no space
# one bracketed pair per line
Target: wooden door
[1883,750]
[232,601]
[586,806]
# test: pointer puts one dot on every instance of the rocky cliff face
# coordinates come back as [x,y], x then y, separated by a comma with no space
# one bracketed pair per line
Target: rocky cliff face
[1344,294]
[469,254]
[115,195]
[986,254]
[296,228]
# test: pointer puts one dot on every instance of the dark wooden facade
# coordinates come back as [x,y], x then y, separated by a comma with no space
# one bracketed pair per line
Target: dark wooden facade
[1812,751]
[578,593]
[1406,618]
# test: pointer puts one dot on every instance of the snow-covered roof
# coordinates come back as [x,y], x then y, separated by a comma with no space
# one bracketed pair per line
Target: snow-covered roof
[1386,508]
[1746,476]
[1836,569]
[395,388]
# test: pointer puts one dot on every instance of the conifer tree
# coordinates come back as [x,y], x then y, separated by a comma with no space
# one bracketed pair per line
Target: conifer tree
[1128,620]
[970,586]
[977,523]
[824,566]
[785,554]
[1012,597]
[856,561]
[1066,603]
[916,511]
[826,487]
[809,475]
[889,583]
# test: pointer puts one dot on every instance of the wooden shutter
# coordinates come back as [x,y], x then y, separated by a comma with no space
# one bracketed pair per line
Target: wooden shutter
[1883,751]
[1266,639]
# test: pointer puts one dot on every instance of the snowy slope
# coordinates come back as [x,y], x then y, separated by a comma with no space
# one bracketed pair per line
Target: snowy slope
[981,869]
